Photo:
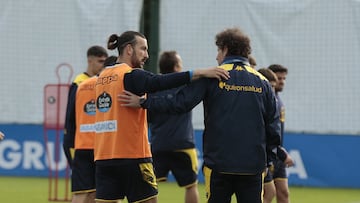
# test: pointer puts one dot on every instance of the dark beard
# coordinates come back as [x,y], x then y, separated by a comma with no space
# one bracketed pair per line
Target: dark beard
[135,62]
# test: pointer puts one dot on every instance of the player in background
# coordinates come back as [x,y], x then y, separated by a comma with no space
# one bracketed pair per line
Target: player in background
[269,187]
[252,61]
[122,153]
[83,165]
[270,76]
[96,56]
[172,138]
[279,174]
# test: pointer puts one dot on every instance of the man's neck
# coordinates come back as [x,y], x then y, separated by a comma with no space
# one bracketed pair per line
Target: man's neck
[89,73]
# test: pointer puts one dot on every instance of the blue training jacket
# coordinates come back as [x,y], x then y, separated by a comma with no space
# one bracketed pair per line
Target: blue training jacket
[242,126]
[170,132]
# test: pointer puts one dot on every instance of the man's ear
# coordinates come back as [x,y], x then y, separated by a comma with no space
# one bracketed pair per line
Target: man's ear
[129,49]
[225,51]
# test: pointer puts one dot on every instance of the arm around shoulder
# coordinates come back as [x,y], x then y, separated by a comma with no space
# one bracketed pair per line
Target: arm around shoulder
[213,72]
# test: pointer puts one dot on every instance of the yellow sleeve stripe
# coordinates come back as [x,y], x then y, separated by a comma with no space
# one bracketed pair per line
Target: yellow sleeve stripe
[249,69]
[253,71]
[227,67]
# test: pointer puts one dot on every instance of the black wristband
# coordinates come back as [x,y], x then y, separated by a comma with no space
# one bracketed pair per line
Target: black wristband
[142,101]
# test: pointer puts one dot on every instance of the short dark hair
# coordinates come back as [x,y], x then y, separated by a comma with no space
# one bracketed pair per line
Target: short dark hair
[237,42]
[277,68]
[124,39]
[168,61]
[110,61]
[97,51]
[268,74]
[252,61]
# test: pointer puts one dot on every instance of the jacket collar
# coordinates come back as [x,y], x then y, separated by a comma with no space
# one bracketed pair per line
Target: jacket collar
[235,59]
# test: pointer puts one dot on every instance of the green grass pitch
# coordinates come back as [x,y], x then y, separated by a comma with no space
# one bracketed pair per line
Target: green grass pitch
[35,190]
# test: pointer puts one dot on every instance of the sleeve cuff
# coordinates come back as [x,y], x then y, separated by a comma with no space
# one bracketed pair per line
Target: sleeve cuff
[191,73]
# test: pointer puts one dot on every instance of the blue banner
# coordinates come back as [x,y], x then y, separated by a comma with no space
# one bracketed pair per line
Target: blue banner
[29,150]
[320,160]
[324,160]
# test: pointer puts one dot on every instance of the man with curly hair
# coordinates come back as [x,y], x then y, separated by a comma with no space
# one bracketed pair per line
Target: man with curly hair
[242,126]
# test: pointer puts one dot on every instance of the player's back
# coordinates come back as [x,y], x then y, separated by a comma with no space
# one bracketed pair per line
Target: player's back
[235,114]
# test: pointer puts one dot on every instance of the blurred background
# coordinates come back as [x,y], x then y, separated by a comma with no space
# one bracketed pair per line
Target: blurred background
[317,40]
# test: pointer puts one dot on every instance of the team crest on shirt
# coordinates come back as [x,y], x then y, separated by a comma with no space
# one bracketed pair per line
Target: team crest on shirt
[104,102]
[90,108]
